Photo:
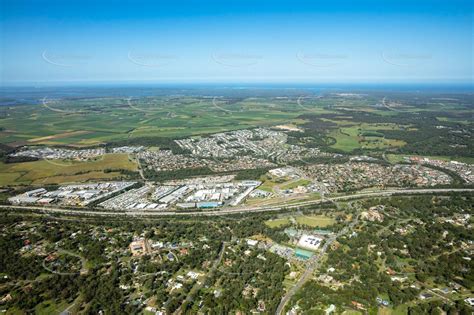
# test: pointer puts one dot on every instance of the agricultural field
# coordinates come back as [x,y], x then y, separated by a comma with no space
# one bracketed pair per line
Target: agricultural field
[369,121]
[61,171]
[88,122]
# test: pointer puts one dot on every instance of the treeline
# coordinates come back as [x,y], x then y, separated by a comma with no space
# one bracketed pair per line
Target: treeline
[438,307]
[424,139]
[127,173]
[5,150]
[252,174]
[457,180]
[19,159]
[176,174]
[314,134]
[161,142]
[159,176]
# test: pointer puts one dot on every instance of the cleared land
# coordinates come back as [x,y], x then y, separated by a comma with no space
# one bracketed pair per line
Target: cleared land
[292,185]
[49,172]
[315,221]
[309,220]
[277,222]
[365,136]
[83,122]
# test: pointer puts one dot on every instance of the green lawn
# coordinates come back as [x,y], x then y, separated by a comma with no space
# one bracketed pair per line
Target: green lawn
[310,220]
[315,221]
[277,222]
[301,182]
[50,307]
[93,121]
[267,185]
[365,136]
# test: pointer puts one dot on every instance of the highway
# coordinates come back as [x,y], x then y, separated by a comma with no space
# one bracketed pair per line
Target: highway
[312,265]
[233,210]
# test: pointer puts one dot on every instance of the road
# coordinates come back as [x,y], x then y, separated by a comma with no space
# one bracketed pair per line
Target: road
[83,270]
[140,169]
[200,283]
[313,265]
[234,210]
[66,311]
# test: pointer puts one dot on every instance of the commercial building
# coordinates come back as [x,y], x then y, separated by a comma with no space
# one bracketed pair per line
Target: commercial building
[310,242]
[303,254]
[211,204]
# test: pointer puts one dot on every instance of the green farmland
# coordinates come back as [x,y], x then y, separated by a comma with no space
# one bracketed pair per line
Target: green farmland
[334,122]
[53,172]
[94,121]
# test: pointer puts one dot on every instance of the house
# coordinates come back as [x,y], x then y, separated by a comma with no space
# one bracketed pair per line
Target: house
[6,298]
[424,296]
[193,275]
[137,247]
[358,305]
[470,301]
[252,242]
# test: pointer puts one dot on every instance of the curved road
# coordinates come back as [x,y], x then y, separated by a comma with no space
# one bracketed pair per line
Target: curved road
[314,263]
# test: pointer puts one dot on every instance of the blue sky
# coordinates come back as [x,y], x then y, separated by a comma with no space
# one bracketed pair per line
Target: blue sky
[236,41]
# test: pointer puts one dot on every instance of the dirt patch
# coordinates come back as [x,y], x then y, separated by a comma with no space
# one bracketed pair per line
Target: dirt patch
[59,136]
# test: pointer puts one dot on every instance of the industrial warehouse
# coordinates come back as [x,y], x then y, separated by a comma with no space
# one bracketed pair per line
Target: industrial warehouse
[129,196]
